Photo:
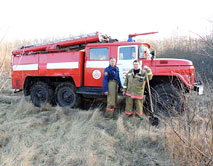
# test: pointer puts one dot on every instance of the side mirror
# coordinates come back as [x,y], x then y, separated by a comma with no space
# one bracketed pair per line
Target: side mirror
[153,53]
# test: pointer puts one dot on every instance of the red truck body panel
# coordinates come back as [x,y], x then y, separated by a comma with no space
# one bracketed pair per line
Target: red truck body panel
[23,66]
[51,65]
[181,68]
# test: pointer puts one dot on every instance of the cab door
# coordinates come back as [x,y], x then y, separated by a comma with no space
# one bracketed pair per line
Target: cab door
[97,59]
[145,58]
[126,56]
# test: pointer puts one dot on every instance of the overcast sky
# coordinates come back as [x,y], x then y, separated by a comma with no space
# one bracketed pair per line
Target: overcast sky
[28,19]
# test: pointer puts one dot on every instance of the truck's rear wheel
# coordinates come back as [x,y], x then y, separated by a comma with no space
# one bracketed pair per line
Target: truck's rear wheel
[167,100]
[40,93]
[66,96]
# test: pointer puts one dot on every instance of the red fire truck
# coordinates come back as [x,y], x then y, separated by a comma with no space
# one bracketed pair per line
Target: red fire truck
[66,71]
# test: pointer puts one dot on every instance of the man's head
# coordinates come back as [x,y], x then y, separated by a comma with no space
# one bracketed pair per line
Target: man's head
[112,62]
[136,64]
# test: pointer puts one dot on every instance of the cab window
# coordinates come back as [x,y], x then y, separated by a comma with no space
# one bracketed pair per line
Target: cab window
[98,53]
[141,52]
[127,53]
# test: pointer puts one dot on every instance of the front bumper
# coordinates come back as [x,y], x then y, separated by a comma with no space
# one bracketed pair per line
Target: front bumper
[198,87]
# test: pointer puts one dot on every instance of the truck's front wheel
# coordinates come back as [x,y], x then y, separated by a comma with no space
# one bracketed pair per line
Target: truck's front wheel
[167,100]
[40,93]
[66,96]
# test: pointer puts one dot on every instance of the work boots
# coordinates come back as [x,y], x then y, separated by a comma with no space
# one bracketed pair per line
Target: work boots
[139,115]
[116,113]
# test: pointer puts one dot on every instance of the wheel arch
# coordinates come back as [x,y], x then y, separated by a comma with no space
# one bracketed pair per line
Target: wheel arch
[174,80]
[51,81]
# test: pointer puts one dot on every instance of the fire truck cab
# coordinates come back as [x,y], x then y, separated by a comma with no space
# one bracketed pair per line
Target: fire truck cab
[97,59]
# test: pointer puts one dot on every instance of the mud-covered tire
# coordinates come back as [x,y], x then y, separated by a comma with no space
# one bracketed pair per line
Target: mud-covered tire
[66,96]
[167,100]
[40,94]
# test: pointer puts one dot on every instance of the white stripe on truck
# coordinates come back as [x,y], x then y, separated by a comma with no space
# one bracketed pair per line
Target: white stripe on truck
[25,67]
[97,64]
[63,65]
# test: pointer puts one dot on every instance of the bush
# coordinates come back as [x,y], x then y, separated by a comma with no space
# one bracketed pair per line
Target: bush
[190,136]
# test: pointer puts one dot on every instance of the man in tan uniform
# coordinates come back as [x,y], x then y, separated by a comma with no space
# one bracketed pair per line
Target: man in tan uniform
[133,88]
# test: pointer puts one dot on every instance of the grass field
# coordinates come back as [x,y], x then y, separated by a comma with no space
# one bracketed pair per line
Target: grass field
[62,136]
[58,136]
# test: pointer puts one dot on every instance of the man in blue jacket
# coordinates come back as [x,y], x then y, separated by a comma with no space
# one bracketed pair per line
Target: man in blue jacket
[111,83]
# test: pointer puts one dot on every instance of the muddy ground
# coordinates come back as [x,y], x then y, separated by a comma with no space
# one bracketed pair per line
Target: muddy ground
[53,136]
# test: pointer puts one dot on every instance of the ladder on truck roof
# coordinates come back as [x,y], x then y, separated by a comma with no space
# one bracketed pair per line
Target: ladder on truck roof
[63,44]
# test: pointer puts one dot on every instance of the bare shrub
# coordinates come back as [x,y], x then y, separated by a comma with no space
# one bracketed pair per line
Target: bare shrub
[190,136]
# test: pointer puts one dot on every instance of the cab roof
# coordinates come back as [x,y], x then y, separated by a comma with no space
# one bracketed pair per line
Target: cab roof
[119,44]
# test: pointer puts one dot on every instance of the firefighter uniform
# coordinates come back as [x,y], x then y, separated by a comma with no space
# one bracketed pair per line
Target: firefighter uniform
[133,87]
[111,83]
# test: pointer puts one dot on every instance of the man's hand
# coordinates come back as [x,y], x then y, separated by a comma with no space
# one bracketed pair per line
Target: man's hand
[124,93]
[106,93]
[146,67]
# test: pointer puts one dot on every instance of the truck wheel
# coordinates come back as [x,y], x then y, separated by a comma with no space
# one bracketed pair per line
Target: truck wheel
[40,93]
[167,100]
[66,96]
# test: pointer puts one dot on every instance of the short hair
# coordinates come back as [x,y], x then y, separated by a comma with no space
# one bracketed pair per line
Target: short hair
[111,58]
[136,61]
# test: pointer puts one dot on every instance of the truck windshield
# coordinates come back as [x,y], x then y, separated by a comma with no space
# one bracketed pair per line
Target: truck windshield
[127,53]
[141,52]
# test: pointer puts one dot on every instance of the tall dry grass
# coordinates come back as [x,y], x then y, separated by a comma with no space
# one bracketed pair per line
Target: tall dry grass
[190,136]
[5,60]
[63,136]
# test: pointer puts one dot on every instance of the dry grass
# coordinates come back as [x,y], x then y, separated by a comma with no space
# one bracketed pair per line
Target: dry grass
[5,56]
[190,136]
[63,136]
[56,136]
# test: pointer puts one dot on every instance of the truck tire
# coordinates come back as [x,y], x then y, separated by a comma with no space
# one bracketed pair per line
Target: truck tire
[167,100]
[66,96]
[40,93]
